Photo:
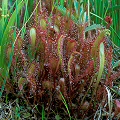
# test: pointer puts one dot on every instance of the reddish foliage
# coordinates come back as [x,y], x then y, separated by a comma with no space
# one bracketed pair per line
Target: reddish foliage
[117,107]
[48,66]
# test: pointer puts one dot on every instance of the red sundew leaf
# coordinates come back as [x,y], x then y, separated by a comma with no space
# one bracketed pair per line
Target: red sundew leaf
[31,69]
[43,24]
[47,85]
[53,32]
[19,43]
[89,70]
[41,34]
[8,51]
[54,65]
[109,58]
[117,108]
[82,34]
[21,83]
[62,86]
[71,46]
[60,48]
[114,76]
[23,57]
[41,50]
[85,105]
[18,46]
[33,84]
[117,104]
[70,62]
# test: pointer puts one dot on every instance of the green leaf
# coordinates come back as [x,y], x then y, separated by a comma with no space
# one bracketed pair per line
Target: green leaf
[93,27]
[66,105]
[21,83]
[4,42]
[76,6]
[5,39]
[70,61]
[62,2]
[114,8]
[26,115]
[57,117]
[101,68]
[102,61]
[116,64]
[43,113]
[65,12]
[4,11]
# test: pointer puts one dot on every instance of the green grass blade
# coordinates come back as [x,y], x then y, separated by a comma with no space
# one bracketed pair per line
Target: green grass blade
[93,27]
[65,103]
[26,16]
[114,8]
[116,64]
[43,113]
[4,11]
[76,6]
[5,39]
[62,2]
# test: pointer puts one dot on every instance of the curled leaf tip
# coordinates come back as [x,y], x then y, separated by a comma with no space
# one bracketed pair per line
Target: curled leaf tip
[107,32]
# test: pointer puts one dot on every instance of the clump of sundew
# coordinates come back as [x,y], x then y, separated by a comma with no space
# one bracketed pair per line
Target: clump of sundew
[61,63]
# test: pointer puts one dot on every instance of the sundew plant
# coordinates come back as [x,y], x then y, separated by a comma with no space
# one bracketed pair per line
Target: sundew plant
[58,61]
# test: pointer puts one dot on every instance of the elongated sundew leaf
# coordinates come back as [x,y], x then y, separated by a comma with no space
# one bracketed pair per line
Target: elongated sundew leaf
[71,46]
[70,62]
[21,83]
[102,61]
[98,41]
[60,48]
[101,68]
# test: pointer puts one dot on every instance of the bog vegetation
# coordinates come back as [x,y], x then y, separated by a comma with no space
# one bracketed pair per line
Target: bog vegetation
[59,59]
